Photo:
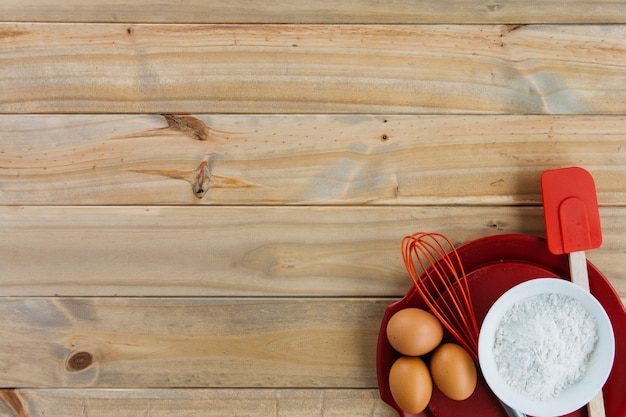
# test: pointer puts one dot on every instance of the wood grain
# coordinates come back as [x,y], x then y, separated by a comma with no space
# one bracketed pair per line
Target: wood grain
[120,68]
[201,203]
[321,11]
[189,342]
[244,251]
[205,402]
[302,159]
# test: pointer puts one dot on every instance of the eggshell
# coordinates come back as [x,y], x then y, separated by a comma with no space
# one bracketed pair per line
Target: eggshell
[414,332]
[410,384]
[453,371]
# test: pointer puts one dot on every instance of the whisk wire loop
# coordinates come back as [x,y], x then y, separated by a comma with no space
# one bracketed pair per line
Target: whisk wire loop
[443,285]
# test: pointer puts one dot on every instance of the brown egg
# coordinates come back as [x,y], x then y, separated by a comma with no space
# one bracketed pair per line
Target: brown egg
[414,332]
[410,384]
[453,371]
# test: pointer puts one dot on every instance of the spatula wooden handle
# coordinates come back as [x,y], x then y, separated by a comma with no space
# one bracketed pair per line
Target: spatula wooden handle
[580,276]
[578,269]
[595,408]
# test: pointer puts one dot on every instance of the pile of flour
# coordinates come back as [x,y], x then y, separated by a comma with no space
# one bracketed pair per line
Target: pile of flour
[543,345]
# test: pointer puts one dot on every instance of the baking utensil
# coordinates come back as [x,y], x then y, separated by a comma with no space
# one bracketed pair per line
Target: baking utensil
[493,265]
[572,220]
[441,277]
[443,285]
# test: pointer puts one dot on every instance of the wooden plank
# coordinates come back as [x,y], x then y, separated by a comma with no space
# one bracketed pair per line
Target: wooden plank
[302,159]
[205,402]
[120,68]
[321,11]
[243,251]
[189,342]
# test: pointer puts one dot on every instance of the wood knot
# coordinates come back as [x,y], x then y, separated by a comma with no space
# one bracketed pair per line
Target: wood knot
[188,125]
[79,361]
[201,180]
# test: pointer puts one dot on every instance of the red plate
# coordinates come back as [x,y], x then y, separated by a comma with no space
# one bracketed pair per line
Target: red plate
[493,265]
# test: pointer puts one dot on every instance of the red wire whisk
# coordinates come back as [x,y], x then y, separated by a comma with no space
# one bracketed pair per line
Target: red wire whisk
[441,282]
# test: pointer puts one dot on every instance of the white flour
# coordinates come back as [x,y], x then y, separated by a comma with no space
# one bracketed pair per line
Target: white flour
[543,345]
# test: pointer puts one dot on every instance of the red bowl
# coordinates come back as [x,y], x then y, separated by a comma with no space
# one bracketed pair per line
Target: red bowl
[493,265]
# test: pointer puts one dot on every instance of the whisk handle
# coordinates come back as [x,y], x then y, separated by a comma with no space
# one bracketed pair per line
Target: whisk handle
[512,412]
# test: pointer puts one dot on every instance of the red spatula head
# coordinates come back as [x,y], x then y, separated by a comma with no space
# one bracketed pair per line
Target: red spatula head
[571,214]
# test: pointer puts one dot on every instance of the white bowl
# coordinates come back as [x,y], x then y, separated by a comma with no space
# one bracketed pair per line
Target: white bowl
[571,398]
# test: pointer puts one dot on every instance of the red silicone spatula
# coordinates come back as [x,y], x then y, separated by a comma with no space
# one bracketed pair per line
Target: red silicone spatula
[572,218]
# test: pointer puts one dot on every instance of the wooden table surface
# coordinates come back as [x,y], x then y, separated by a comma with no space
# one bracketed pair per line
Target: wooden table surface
[202,202]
